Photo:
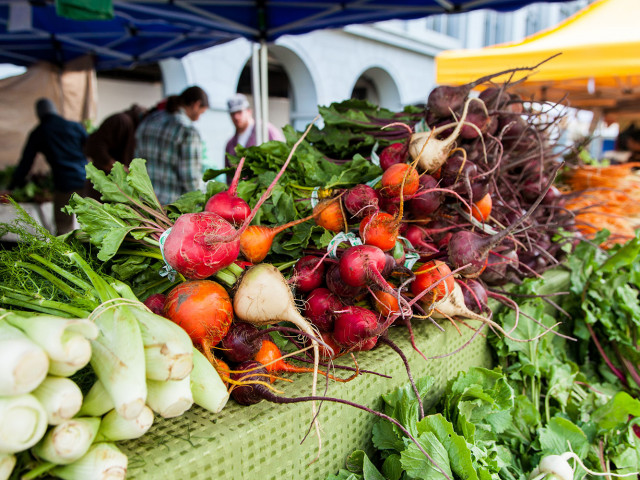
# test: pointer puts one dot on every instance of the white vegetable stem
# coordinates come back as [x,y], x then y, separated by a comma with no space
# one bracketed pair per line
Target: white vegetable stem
[103,461]
[167,347]
[24,363]
[118,358]
[69,441]
[7,462]
[558,466]
[208,389]
[23,422]
[97,401]
[65,340]
[264,297]
[114,428]
[60,397]
[171,398]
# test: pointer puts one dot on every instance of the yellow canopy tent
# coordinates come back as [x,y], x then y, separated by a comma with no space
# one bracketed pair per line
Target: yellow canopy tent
[598,67]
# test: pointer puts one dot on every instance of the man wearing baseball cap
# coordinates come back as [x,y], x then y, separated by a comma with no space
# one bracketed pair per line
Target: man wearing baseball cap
[242,118]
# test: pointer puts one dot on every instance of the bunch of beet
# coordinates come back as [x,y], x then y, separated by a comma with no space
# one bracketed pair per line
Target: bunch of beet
[476,188]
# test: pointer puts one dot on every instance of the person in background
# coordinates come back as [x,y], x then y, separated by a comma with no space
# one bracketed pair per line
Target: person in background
[629,141]
[242,118]
[114,141]
[61,142]
[172,146]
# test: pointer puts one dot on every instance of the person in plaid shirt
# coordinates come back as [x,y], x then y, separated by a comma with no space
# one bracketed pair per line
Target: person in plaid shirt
[172,146]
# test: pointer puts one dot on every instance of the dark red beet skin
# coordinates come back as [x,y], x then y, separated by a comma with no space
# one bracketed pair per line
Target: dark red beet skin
[425,203]
[394,153]
[191,249]
[337,286]
[361,265]
[354,325]
[233,209]
[249,394]
[156,302]
[308,273]
[475,295]
[320,308]
[360,201]
[241,342]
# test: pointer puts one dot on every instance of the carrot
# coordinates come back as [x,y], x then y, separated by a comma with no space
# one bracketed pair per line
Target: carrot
[329,215]
[271,357]
[385,303]
[393,178]
[256,240]
[203,309]
[482,208]
[428,274]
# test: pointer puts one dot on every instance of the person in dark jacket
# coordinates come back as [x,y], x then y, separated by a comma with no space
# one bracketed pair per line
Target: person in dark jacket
[61,142]
[115,139]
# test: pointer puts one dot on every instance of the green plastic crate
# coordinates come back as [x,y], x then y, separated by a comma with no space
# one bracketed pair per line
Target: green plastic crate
[263,441]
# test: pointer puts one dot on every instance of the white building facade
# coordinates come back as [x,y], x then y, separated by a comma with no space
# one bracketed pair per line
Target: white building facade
[390,63]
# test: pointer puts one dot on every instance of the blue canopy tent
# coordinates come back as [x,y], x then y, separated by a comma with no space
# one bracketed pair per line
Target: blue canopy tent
[146,31]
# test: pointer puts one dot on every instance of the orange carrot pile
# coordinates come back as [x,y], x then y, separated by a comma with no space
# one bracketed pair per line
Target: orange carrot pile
[605,197]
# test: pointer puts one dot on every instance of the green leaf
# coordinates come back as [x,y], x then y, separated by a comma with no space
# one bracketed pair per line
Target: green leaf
[616,411]
[139,180]
[459,455]
[418,466]
[624,257]
[561,435]
[344,475]
[355,460]
[370,471]
[385,436]
[190,202]
[392,467]
[113,187]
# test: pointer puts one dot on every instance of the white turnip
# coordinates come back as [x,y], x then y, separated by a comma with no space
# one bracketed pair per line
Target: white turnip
[429,151]
[263,297]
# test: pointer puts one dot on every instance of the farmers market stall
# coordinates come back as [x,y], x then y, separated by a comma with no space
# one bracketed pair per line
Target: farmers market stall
[394,254]
[598,67]
[128,33]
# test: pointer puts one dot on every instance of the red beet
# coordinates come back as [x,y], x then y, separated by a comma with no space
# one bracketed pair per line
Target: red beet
[321,307]
[337,286]
[156,302]
[360,201]
[353,325]
[252,393]
[308,273]
[227,204]
[193,247]
[394,153]
[241,342]
[424,204]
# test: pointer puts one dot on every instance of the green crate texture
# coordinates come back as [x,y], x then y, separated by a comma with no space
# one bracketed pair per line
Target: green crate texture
[263,441]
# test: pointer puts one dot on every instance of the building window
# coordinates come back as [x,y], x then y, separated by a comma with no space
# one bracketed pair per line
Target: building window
[495,28]
[533,24]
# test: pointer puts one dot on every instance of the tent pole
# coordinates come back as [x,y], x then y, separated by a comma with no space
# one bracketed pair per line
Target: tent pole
[596,142]
[256,90]
[264,93]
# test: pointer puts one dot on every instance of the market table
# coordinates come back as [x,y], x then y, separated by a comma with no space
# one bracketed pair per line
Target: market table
[263,441]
